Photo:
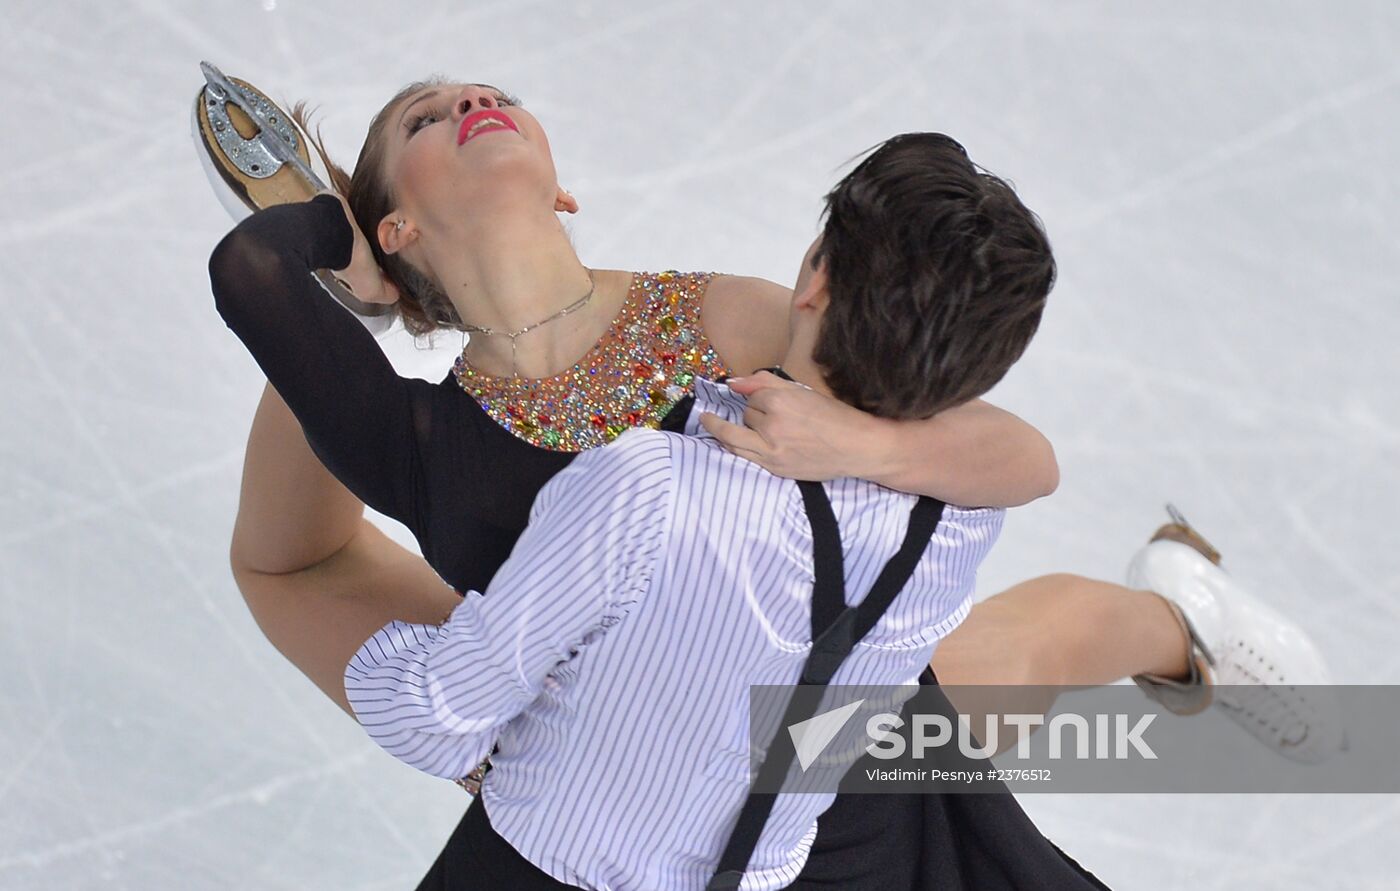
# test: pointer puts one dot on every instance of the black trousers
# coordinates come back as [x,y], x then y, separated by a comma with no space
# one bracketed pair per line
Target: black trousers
[977,842]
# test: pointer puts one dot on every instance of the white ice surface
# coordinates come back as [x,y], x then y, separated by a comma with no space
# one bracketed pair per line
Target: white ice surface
[1220,183]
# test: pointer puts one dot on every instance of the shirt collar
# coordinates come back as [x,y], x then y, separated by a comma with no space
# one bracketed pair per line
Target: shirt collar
[717,398]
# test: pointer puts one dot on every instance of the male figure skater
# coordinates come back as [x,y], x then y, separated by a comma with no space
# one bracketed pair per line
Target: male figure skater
[661,576]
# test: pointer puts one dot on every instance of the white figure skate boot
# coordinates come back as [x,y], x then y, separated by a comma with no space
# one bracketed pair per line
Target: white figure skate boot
[1246,658]
[256,156]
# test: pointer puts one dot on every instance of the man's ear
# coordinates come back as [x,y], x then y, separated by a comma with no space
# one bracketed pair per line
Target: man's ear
[813,293]
[565,202]
[395,233]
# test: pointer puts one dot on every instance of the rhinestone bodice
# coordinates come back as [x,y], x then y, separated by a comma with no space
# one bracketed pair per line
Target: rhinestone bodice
[631,377]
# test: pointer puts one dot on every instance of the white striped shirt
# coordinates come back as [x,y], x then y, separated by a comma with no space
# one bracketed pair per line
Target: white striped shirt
[610,657]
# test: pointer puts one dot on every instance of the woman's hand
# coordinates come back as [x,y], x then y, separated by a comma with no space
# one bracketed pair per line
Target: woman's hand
[363,276]
[798,433]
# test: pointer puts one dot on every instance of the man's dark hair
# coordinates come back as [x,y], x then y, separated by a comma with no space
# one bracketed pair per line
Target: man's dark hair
[937,276]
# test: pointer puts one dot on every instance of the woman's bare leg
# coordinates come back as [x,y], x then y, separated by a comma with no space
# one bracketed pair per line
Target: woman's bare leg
[1066,630]
[292,513]
[318,578]
[1055,632]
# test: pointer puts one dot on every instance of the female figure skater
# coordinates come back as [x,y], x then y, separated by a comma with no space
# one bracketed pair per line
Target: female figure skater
[456,187]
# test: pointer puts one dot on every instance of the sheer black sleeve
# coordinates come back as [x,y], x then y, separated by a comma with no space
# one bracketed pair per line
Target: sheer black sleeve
[363,421]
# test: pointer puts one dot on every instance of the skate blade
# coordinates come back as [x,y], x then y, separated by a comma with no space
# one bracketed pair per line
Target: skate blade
[243,192]
[257,178]
[1182,532]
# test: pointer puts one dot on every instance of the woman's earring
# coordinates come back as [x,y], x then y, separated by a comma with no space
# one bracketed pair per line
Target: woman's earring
[398,227]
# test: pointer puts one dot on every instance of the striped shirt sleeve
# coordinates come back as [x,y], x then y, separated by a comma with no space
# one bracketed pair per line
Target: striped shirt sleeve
[436,697]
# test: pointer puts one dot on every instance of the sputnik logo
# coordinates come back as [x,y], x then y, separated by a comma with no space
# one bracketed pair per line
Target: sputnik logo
[811,736]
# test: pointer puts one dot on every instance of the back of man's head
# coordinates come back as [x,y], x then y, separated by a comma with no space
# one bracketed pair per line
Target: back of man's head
[937,275]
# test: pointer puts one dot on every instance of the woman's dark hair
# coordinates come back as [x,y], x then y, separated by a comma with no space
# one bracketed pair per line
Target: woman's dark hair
[423,305]
[937,277]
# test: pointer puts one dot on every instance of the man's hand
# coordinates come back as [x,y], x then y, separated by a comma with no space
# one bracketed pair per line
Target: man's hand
[796,432]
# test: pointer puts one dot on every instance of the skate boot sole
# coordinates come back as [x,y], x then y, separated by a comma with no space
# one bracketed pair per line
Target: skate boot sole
[251,170]
[266,182]
[1180,531]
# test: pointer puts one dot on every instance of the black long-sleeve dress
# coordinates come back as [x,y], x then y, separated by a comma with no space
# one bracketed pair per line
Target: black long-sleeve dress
[431,457]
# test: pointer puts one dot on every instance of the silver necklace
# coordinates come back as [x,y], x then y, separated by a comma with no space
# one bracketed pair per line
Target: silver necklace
[481,329]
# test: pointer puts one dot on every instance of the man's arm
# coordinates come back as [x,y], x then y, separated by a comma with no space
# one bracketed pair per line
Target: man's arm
[974,454]
[436,696]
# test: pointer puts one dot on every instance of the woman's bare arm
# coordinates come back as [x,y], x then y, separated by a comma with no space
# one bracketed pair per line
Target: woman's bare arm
[318,578]
[974,454]
[746,320]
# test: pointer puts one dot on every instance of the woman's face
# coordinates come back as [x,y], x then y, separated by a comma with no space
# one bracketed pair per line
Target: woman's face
[461,151]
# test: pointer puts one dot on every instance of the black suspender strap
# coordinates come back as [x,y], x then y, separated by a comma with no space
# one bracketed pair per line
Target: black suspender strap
[828,559]
[836,629]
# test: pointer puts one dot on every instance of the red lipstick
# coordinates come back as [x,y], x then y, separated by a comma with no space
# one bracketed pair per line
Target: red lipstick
[488,118]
